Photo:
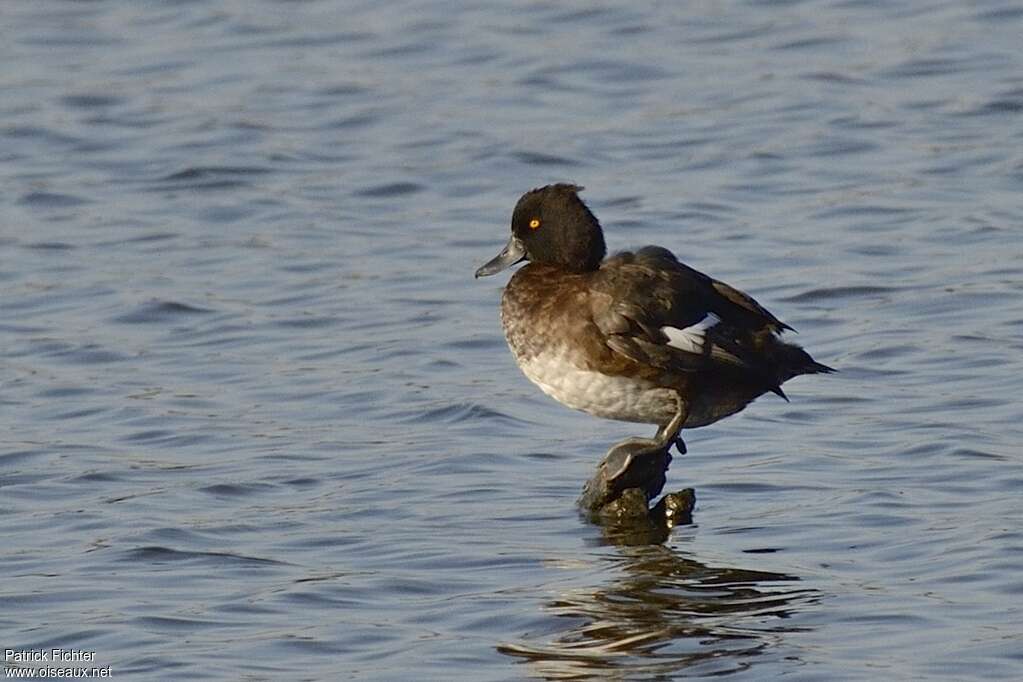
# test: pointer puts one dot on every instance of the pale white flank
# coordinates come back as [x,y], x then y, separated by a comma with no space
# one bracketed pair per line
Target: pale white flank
[691,338]
[602,395]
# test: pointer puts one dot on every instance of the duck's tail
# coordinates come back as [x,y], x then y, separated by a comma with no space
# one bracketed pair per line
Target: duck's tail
[798,361]
[792,361]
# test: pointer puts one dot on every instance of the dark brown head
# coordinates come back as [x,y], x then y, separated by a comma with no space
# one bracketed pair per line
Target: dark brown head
[552,225]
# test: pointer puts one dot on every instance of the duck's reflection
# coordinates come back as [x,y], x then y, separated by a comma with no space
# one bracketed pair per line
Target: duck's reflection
[662,613]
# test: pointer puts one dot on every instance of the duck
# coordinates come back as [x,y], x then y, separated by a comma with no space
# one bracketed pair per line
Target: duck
[637,336]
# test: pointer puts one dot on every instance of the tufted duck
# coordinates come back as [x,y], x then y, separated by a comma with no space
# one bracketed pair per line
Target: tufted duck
[639,336]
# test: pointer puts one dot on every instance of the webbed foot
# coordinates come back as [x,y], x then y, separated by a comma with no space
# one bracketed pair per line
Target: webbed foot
[632,473]
[634,463]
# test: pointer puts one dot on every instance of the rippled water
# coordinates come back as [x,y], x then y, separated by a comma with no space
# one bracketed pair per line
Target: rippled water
[258,421]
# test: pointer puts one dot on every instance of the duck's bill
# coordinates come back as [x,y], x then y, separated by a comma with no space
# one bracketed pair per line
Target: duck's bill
[512,253]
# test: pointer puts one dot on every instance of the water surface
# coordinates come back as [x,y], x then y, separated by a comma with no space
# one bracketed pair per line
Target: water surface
[258,421]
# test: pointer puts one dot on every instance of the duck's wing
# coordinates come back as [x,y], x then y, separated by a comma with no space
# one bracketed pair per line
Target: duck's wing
[657,311]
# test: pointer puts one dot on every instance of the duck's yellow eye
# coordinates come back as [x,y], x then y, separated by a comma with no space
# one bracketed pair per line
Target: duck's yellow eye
[534,223]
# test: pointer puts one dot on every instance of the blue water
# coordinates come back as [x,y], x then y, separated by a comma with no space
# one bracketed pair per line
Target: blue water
[257,421]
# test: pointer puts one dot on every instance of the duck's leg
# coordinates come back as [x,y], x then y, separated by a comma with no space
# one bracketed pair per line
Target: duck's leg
[634,463]
[671,433]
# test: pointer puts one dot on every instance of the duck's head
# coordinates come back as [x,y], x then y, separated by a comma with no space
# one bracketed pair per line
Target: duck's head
[551,225]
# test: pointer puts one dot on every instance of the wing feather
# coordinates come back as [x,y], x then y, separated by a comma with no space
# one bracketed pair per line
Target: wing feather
[657,311]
